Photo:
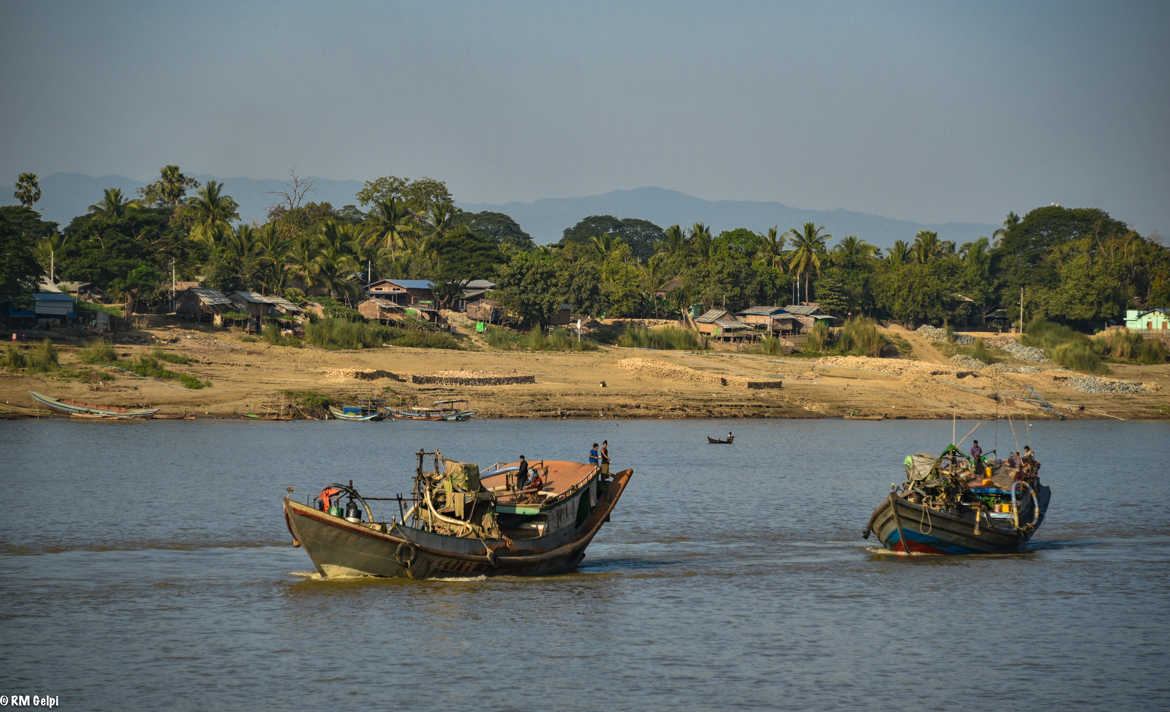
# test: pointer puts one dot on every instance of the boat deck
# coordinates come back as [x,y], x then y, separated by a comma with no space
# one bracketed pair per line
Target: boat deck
[560,476]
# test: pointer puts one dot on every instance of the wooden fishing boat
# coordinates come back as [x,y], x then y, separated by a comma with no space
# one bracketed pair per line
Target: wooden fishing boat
[370,410]
[441,410]
[460,522]
[116,418]
[943,508]
[855,416]
[62,405]
[717,441]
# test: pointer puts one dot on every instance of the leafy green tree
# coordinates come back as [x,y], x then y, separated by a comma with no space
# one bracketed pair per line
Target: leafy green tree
[419,196]
[527,286]
[498,227]
[104,247]
[624,288]
[20,228]
[641,235]
[809,245]
[28,189]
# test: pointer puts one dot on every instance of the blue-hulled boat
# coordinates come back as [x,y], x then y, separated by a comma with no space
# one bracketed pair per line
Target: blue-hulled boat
[943,507]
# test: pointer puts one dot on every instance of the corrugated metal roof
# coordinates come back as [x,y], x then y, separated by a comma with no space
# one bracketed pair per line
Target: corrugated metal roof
[409,283]
[210,297]
[761,311]
[803,309]
[480,284]
[252,297]
[711,316]
[731,324]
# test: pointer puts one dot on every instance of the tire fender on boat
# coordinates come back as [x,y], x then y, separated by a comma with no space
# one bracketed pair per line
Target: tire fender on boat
[405,553]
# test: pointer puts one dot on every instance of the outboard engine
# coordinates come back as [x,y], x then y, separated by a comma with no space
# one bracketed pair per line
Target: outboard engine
[353,513]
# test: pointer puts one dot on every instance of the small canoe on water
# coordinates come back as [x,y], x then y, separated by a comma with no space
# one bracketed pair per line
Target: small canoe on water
[717,441]
[69,407]
[443,410]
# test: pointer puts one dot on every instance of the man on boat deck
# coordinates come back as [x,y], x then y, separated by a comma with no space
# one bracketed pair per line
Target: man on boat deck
[977,458]
[605,457]
[593,457]
[522,474]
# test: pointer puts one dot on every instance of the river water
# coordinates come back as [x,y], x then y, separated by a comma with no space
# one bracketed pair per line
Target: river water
[147,566]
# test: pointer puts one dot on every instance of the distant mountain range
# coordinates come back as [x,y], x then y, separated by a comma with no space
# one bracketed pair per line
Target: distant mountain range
[67,195]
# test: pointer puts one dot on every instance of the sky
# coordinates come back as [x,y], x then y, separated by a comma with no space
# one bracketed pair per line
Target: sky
[928,111]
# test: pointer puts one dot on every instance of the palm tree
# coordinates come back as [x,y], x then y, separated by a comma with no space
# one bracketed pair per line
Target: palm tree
[853,252]
[810,245]
[301,254]
[927,246]
[395,222]
[673,240]
[210,209]
[112,205]
[899,253]
[699,241]
[274,249]
[47,249]
[603,245]
[1009,222]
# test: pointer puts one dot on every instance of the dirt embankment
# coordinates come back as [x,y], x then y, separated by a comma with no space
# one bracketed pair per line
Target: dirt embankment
[253,378]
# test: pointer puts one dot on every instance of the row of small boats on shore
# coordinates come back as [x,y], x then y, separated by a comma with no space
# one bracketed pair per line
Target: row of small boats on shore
[369,410]
[374,410]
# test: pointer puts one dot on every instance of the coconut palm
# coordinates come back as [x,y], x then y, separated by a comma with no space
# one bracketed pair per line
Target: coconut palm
[853,252]
[112,205]
[673,240]
[210,209]
[927,246]
[603,245]
[274,249]
[809,245]
[395,223]
[699,241]
[899,253]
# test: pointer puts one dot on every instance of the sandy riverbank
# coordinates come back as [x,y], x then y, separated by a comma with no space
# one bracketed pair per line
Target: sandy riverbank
[248,377]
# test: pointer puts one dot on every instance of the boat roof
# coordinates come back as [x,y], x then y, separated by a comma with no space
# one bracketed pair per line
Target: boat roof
[561,476]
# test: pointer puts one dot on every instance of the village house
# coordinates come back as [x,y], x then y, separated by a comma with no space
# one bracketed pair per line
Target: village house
[404,292]
[202,304]
[258,306]
[381,310]
[765,318]
[720,324]
[806,315]
[1149,320]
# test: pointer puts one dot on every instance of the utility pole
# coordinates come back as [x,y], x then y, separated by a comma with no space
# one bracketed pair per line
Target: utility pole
[172,284]
[1021,311]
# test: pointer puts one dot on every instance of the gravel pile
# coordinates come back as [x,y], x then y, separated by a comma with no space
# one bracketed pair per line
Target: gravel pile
[1023,353]
[968,362]
[963,339]
[1092,384]
[932,332]
[1012,368]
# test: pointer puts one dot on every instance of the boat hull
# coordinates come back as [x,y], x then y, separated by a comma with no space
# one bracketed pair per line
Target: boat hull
[356,417]
[340,548]
[906,527]
[70,407]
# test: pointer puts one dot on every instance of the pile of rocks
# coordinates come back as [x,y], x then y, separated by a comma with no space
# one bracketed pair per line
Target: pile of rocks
[1092,384]
[963,339]
[968,362]
[1023,353]
[1012,368]
[932,332]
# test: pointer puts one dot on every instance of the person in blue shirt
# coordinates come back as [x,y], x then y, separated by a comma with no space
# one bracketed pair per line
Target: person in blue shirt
[594,458]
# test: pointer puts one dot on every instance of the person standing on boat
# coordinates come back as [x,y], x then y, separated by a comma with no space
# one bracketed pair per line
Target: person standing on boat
[522,474]
[605,457]
[977,458]
[593,456]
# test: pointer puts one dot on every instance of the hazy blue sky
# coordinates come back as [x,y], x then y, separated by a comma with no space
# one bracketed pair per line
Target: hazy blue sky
[928,111]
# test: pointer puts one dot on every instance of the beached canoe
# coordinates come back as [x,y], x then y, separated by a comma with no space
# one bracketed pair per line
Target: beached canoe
[62,405]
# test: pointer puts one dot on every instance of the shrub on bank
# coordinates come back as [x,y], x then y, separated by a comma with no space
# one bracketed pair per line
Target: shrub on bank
[860,337]
[1125,345]
[42,358]
[665,338]
[97,351]
[535,339]
[13,357]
